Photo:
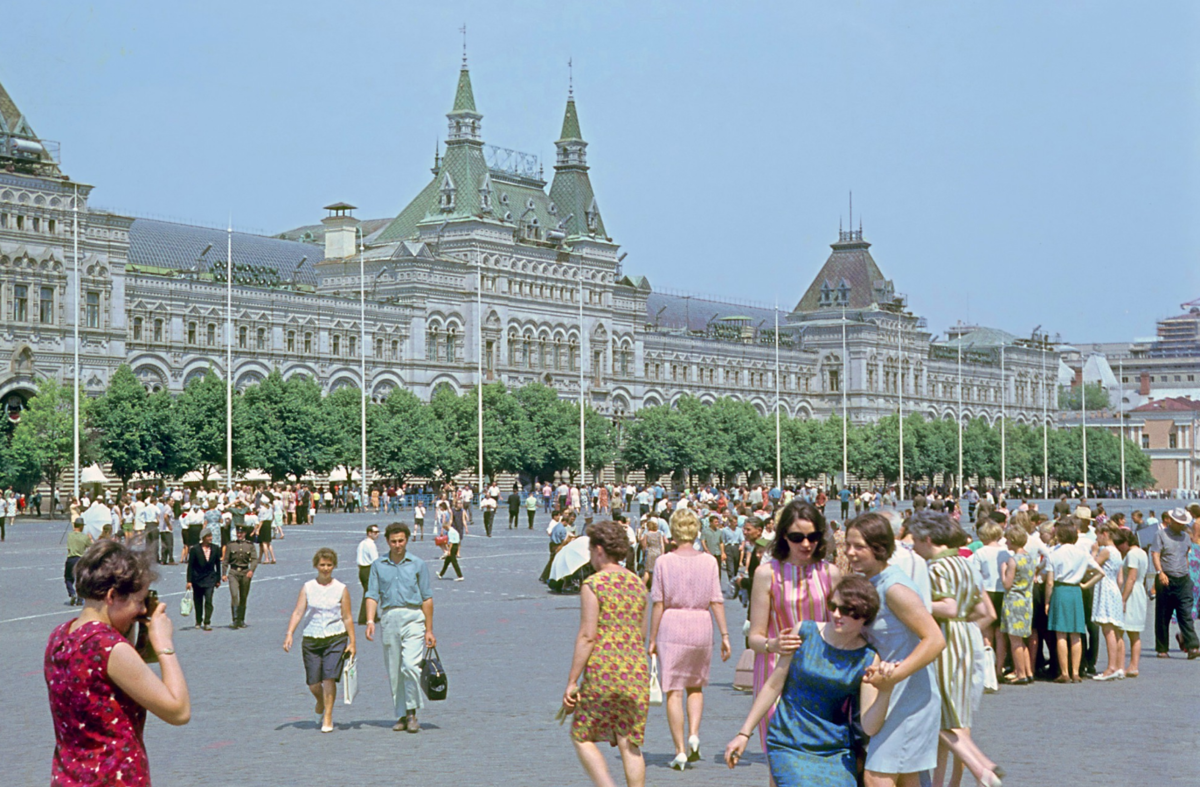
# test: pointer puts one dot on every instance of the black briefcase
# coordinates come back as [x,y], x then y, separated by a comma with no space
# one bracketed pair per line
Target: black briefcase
[433,678]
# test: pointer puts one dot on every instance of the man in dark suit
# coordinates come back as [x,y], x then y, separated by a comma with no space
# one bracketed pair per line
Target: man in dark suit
[204,577]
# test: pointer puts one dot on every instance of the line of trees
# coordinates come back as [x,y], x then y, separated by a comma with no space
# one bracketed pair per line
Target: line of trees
[287,428]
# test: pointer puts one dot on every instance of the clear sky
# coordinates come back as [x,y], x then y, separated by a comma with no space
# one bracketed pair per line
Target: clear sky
[1015,164]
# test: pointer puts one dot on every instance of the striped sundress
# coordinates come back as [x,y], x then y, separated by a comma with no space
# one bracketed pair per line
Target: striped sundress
[950,576]
[797,593]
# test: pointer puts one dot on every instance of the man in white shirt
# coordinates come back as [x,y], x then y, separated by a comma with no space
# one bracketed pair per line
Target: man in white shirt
[489,505]
[368,553]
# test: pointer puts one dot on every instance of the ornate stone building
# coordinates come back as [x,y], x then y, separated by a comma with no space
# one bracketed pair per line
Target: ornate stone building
[484,261]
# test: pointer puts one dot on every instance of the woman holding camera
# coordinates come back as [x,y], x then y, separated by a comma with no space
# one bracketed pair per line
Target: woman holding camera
[100,687]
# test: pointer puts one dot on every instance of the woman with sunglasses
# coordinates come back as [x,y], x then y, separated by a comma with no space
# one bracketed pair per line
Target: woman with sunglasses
[809,739]
[792,586]
[904,633]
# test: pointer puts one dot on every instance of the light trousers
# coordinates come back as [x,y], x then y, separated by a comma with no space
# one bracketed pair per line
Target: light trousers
[403,649]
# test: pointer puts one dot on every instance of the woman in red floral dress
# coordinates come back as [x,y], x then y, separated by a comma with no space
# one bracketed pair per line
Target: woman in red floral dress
[611,702]
[100,689]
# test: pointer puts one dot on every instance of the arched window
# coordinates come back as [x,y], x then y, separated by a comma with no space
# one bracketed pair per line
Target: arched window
[451,346]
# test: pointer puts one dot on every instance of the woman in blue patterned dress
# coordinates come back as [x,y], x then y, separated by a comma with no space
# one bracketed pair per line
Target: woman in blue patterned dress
[809,736]
[1017,611]
[957,603]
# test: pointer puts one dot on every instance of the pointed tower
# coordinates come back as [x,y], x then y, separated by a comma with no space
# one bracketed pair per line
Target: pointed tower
[20,148]
[571,190]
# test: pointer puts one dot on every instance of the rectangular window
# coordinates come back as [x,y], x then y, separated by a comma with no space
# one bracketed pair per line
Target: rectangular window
[158,330]
[337,345]
[625,365]
[308,343]
[451,348]
[835,383]
[20,222]
[1172,440]
[1145,442]
[137,329]
[1176,378]
[191,333]
[379,348]
[396,350]
[93,310]
[52,225]
[242,337]
[37,224]
[598,363]
[291,341]
[353,346]
[1191,378]
[20,302]
[212,334]
[46,306]
[261,339]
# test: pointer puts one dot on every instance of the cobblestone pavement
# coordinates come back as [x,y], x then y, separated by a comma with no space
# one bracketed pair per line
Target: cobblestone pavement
[506,644]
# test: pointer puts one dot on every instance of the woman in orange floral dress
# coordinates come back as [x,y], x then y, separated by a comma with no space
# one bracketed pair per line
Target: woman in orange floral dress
[611,702]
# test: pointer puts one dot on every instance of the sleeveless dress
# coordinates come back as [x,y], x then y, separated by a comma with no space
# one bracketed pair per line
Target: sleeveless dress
[797,593]
[654,548]
[908,741]
[1107,605]
[686,586]
[809,736]
[950,576]
[1135,608]
[1017,617]
[614,696]
[97,726]
[1193,559]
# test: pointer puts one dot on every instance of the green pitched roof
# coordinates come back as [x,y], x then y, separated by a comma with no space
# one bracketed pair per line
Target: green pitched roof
[464,98]
[570,127]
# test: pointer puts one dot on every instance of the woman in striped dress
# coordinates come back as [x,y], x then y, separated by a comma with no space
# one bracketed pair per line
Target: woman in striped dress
[957,603]
[793,585]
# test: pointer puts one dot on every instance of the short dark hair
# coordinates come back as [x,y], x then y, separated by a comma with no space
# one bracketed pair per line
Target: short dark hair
[1066,533]
[919,501]
[398,527]
[790,515]
[611,537]
[937,527]
[876,530]
[372,527]
[110,565]
[859,595]
[325,553]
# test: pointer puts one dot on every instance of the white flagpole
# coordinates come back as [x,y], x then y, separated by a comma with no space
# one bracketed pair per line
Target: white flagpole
[479,385]
[229,356]
[778,445]
[1003,434]
[1045,426]
[960,420]
[78,274]
[845,407]
[362,354]
[1083,410]
[900,399]
[582,461]
[1121,416]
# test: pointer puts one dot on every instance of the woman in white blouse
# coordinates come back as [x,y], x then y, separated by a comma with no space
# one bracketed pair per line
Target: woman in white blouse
[1066,568]
[328,636]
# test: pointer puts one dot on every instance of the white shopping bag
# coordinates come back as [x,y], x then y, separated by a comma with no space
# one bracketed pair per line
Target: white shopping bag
[349,681]
[656,695]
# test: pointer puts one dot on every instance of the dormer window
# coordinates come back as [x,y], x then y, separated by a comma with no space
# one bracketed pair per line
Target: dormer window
[447,192]
[826,294]
[553,209]
[593,216]
[844,292]
[485,193]
[503,198]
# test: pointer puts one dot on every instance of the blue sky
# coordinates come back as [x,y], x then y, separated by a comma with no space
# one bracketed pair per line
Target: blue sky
[1015,164]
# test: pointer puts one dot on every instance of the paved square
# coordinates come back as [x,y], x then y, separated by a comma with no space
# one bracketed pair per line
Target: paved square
[506,644]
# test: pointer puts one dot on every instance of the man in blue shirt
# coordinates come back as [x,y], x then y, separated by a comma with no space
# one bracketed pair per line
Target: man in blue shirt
[558,537]
[399,585]
[844,496]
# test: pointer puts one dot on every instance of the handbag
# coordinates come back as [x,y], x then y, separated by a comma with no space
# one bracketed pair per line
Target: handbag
[743,675]
[990,683]
[442,540]
[433,677]
[656,695]
[349,681]
[185,605]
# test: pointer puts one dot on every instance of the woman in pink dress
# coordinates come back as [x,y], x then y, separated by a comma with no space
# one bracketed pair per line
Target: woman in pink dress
[686,587]
[793,585]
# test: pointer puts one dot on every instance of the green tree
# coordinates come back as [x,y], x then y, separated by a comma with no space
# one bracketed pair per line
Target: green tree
[43,443]
[201,416]
[1095,397]
[283,426]
[120,418]
[169,454]
[652,441]
[740,440]
[342,416]
[800,448]
[405,438]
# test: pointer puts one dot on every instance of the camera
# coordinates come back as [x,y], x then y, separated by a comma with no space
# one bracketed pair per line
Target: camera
[141,636]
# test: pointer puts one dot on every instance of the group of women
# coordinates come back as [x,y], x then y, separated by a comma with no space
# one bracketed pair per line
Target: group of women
[866,673]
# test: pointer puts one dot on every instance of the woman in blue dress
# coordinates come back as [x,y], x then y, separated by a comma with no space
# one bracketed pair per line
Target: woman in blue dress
[904,631]
[817,686]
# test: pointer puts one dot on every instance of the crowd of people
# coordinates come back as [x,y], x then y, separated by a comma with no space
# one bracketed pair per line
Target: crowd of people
[870,640]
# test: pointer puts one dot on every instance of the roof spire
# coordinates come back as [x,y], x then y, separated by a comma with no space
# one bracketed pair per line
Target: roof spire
[463,30]
[570,80]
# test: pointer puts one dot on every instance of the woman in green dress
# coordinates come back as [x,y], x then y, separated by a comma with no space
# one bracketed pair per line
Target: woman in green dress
[957,604]
[1016,619]
[611,702]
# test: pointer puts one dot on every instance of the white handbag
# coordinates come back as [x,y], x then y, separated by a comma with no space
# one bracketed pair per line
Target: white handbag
[185,604]
[349,681]
[656,695]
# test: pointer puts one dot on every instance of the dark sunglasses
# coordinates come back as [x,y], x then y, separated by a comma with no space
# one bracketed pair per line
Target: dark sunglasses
[797,538]
[844,609]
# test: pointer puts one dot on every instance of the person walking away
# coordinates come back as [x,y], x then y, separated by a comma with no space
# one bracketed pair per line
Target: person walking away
[400,586]
[488,504]
[514,507]
[531,506]
[100,688]
[367,554]
[203,578]
[166,534]
[451,557]
[685,590]
[1173,584]
[460,517]
[240,563]
[328,637]
[419,519]
[77,543]
[264,533]
[608,687]
[150,517]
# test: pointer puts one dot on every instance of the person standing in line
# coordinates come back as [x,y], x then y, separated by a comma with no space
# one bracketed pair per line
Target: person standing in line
[1173,584]
[77,543]
[400,586]
[1017,607]
[1133,596]
[367,554]
[531,506]
[488,505]
[1108,608]
[685,590]
[203,578]
[608,688]
[514,507]
[328,635]
[240,563]
[99,686]
[1066,567]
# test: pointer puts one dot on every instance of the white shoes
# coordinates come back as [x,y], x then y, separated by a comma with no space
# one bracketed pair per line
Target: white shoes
[693,752]
[1111,676]
[680,762]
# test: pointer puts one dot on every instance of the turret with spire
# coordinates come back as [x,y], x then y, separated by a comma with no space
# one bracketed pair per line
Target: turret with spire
[571,189]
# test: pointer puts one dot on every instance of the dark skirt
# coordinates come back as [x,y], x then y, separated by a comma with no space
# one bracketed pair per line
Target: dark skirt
[1066,610]
[323,657]
[191,536]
